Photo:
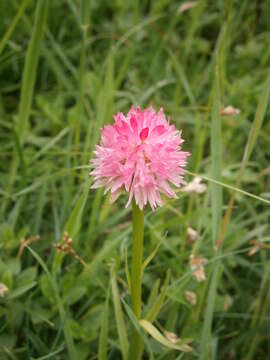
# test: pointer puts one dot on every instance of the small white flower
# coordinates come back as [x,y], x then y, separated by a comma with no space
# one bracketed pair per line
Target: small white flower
[197,266]
[191,297]
[229,111]
[195,186]
[3,289]
[192,235]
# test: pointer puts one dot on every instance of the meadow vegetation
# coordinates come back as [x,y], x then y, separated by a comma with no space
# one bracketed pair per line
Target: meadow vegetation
[65,68]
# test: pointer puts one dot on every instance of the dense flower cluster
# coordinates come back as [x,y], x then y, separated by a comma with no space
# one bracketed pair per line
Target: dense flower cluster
[140,154]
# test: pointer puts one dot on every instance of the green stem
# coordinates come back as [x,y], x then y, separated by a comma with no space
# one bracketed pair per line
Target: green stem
[136,278]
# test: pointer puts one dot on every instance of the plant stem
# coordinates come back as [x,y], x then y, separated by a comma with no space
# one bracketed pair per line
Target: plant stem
[136,278]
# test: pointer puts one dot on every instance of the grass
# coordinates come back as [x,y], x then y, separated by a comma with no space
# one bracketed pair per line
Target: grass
[65,69]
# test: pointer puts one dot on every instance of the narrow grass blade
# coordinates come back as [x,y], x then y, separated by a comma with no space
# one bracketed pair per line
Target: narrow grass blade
[104,252]
[75,220]
[12,26]
[19,150]
[182,76]
[153,294]
[82,69]
[150,257]
[73,224]
[136,324]
[155,309]
[21,291]
[28,82]
[216,156]
[67,331]
[230,187]
[30,68]
[127,269]
[51,143]
[119,316]
[50,355]
[216,199]
[103,338]
[257,123]
[253,135]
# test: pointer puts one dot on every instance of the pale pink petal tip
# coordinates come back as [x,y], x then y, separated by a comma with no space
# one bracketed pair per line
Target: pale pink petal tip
[139,154]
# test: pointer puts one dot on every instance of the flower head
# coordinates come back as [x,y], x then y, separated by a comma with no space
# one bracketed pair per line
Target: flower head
[140,154]
[3,289]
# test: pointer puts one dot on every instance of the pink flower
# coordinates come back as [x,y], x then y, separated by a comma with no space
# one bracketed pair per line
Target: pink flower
[140,154]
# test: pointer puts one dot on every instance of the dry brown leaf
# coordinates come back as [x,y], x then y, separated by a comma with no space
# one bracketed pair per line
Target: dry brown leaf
[186,6]
[256,247]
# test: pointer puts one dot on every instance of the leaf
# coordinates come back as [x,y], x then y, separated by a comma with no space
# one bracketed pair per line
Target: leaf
[216,199]
[75,294]
[136,324]
[27,276]
[30,67]
[216,159]
[74,222]
[47,288]
[156,334]
[257,123]
[182,76]
[102,254]
[230,187]
[153,294]
[21,291]
[150,257]
[103,338]
[50,355]
[119,317]
[73,225]
[67,331]
[127,269]
[12,26]
[155,309]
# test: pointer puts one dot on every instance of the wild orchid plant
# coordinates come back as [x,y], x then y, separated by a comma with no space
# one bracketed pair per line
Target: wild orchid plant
[140,154]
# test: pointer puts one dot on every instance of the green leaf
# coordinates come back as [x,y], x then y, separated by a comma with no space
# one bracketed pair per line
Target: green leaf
[67,331]
[257,123]
[20,291]
[30,67]
[216,199]
[119,316]
[182,76]
[155,309]
[12,26]
[150,257]
[75,294]
[74,223]
[27,276]
[103,338]
[47,288]
[216,156]
[136,324]
[127,269]
[153,294]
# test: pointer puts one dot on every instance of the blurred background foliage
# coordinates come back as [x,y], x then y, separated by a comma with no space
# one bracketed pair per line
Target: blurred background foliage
[65,68]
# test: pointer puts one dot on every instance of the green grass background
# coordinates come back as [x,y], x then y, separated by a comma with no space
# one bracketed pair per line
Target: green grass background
[65,68]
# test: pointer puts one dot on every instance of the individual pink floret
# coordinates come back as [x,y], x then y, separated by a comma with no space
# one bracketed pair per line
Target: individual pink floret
[140,154]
